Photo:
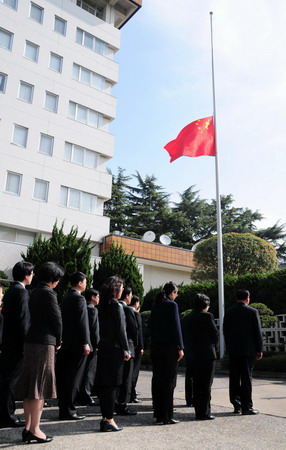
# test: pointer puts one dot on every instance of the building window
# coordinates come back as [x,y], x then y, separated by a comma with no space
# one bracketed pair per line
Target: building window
[46,144]
[88,77]
[31,51]
[60,25]
[41,190]
[13,183]
[81,155]
[6,39]
[36,12]
[20,135]
[72,198]
[85,115]
[14,235]
[3,81]
[12,3]
[91,42]
[51,102]
[56,62]
[26,92]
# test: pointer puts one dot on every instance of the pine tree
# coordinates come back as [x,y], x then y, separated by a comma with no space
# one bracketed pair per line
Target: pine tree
[115,208]
[116,262]
[71,252]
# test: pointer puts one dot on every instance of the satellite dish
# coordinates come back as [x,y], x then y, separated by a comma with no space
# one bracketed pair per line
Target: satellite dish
[165,239]
[196,245]
[149,236]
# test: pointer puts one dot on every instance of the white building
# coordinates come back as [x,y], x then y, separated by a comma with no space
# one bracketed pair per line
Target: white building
[56,77]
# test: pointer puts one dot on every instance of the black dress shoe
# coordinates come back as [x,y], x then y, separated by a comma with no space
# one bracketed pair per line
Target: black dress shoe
[32,437]
[107,426]
[24,435]
[91,403]
[237,411]
[170,422]
[250,412]
[206,418]
[136,400]
[17,423]
[71,417]
[126,412]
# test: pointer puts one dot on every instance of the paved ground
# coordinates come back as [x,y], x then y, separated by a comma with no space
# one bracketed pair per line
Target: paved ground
[264,431]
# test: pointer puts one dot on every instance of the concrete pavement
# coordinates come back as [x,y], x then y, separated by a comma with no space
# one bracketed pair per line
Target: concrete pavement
[264,431]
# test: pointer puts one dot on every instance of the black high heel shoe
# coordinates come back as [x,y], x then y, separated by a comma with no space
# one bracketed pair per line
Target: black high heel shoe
[106,426]
[32,437]
[24,435]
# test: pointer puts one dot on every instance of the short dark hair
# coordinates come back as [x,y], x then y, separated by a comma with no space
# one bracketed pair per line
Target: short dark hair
[126,291]
[21,269]
[76,277]
[242,294]
[201,301]
[89,293]
[165,292]
[50,272]
[134,300]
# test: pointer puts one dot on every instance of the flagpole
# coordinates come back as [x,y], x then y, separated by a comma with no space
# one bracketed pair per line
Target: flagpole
[218,214]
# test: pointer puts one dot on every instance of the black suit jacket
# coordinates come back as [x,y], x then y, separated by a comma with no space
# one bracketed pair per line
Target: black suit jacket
[131,327]
[93,325]
[140,341]
[200,335]
[16,318]
[242,331]
[46,319]
[165,324]
[75,322]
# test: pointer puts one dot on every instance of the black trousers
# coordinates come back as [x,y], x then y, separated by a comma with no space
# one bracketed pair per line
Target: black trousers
[88,378]
[69,372]
[240,381]
[165,366]
[10,372]
[189,396]
[124,390]
[107,397]
[203,374]
[136,370]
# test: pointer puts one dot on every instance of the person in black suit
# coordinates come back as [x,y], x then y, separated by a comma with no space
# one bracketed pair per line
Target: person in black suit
[200,338]
[124,391]
[44,335]
[16,322]
[166,351]
[76,346]
[113,350]
[243,339]
[92,300]
[139,349]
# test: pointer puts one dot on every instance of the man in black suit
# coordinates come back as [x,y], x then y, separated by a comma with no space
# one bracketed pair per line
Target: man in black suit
[139,349]
[92,300]
[124,391]
[200,338]
[243,338]
[16,322]
[1,317]
[71,358]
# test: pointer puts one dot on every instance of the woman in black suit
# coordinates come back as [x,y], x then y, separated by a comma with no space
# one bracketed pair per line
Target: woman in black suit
[44,335]
[166,351]
[113,350]
[200,337]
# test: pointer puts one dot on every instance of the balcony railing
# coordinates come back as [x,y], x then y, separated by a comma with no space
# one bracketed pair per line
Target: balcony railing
[92,8]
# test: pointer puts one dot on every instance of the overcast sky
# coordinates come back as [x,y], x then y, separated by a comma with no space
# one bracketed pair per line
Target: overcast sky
[165,83]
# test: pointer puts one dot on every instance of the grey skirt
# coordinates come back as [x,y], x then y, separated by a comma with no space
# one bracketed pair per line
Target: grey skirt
[38,380]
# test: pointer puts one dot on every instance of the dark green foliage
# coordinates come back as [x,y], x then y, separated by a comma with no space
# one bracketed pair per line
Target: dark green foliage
[271,362]
[71,252]
[267,316]
[269,289]
[115,208]
[185,313]
[4,283]
[117,262]
[242,253]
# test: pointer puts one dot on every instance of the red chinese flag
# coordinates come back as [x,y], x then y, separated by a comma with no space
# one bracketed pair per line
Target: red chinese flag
[196,139]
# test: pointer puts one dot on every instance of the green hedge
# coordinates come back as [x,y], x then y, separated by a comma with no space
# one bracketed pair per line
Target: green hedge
[271,362]
[269,289]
